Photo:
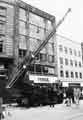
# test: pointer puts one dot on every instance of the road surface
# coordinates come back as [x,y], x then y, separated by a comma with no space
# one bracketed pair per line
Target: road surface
[59,112]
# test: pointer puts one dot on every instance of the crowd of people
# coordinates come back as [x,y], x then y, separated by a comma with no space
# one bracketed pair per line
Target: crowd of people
[72,95]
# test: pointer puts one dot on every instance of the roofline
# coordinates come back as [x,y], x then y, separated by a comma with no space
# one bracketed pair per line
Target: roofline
[31,9]
[65,38]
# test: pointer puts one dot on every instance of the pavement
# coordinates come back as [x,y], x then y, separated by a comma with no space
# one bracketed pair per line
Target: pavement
[59,112]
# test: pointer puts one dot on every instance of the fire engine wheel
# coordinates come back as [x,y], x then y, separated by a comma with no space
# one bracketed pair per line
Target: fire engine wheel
[25,101]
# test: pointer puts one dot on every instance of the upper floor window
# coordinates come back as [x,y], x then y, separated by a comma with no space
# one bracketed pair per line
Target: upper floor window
[76,63]
[72,75]
[22,14]
[43,57]
[79,64]
[65,49]
[66,61]
[61,73]
[50,58]
[22,52]
[2,11]
[1,46]
[1,43]
[60,48]
[79,54]
[61,60]
[80,74]
[75,53]
[71,62]
[76,74]
[70,50]
[67,74]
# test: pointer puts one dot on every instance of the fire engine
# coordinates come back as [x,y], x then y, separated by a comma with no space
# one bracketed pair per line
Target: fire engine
[29,89]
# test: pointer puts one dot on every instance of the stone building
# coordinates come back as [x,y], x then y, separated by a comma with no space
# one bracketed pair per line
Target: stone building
[70,66]
[22,29]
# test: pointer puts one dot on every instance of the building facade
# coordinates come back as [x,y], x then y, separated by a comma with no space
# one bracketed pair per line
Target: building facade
[69,57]
[22,29]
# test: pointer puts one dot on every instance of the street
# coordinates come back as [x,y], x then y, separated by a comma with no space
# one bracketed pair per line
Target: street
[59,112]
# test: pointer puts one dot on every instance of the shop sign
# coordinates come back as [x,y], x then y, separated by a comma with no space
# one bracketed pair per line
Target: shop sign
[42,79]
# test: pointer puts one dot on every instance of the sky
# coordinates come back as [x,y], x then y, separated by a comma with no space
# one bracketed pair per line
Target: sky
[72,27]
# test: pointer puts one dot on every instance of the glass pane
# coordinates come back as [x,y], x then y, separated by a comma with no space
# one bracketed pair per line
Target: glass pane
[22,14]
[22,28]
[22,42]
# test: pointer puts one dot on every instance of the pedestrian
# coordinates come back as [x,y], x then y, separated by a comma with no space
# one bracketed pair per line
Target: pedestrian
[51,97]
[1,108]
[77,94]
[69,96]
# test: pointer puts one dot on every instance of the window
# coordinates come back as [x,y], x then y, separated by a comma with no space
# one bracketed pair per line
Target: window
[67,74]
[65,49]
[1,46]
[50,58]
[76,63]
[43,57]
[2,11]
[22,52]
[45,69]
[70,50]
[80,74]
[22,14]
[79,54]
[61,73]
[22,27]
[61,60]
[60,48]
[72,75]
[66,61]
[38,29]
[76,74]
[51,70]
[71,62]
[75,53]
[22,42]
[79,64]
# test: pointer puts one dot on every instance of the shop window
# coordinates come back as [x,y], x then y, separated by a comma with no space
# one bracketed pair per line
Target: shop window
[38,68]
[61,73]
[22,53]
[45,70]
[50,70]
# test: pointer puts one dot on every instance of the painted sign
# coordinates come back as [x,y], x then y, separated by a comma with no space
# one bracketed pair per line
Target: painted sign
[42,79]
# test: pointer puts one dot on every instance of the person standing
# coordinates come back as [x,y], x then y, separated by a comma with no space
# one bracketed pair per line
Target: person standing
[1,108]
[77,94]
